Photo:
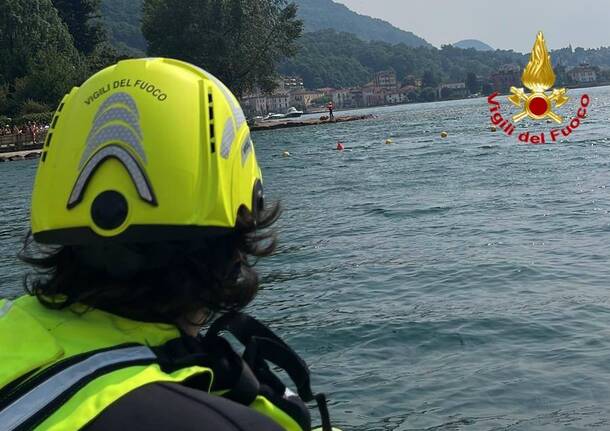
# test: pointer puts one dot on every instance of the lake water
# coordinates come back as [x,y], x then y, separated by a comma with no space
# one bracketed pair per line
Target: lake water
[439,284]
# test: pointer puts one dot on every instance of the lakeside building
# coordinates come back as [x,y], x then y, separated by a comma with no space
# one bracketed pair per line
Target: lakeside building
[342,98]
[262,104]
[509,75]
[326,91]
[386,79]
[583,74]
[303,99]
[254,104]
[454,90]
[292,83]
[356,97]
[373,95]
[382,88]
[278,102]
[404,94]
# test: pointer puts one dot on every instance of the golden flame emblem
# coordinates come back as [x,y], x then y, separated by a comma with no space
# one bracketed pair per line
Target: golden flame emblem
[539,77]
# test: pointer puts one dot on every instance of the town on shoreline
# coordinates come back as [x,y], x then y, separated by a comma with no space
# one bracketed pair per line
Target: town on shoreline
[386,89]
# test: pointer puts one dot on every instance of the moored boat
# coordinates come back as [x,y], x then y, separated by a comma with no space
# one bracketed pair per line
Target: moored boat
[272,116]
[293,113]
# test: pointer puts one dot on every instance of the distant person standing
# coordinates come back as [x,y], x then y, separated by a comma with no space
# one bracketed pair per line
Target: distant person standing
[32,130]
[331,106]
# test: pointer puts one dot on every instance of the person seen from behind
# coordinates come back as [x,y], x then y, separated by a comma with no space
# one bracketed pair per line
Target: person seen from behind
[147,217]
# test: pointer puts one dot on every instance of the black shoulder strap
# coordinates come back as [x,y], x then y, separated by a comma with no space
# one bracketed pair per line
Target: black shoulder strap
[231,374]
[263,345]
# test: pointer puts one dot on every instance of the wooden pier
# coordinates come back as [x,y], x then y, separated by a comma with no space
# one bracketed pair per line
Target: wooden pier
[21,146]
[20,155]
[22,141]
[284,124]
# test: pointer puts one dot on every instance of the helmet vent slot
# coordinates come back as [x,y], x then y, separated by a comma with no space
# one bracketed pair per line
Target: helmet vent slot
[49,137]
[211,122]
[212,139]
[55,121]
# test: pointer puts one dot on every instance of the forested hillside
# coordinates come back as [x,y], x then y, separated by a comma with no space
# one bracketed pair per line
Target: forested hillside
[331,59]
[328,58]
[123,21]
[338,59]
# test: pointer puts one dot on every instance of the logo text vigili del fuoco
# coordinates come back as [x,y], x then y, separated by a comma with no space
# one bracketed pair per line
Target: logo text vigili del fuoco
[540,103]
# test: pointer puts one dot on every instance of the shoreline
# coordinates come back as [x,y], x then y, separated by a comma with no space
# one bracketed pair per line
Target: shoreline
[451,99]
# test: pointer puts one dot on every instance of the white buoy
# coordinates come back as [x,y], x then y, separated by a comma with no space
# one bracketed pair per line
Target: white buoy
[444,134]
[285,154]
[389,142]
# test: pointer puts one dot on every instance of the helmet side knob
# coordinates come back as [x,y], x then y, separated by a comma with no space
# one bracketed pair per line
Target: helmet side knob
[109,210]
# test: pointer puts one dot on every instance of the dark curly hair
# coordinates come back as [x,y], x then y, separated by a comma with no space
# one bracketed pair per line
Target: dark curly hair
[155,281]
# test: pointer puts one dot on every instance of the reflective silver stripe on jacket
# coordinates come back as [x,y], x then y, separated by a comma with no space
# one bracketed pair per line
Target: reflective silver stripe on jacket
[38,398]
[5,308]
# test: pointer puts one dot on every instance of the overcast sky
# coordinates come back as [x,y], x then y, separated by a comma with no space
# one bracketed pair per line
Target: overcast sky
[501,24]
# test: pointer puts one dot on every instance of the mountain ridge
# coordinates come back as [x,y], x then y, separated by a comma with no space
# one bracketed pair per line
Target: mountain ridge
[473,44]
[122,19]
[340,18]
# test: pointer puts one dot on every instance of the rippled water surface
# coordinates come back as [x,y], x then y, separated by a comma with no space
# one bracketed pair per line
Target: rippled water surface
[442,284]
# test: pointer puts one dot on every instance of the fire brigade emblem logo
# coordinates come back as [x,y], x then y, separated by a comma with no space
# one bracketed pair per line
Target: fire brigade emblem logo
[538,77]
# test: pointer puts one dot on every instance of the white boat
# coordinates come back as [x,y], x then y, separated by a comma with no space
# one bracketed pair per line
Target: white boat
[272,116]
[293,113]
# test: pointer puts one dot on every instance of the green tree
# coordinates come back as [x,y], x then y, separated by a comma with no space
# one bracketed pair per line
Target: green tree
[429,79]
[26,30]
[412,96]
[487,88]
[32,107]
[104,55]
[561,74]
[49,79]
[4,99]
[82,19]
[239,41]
[472,83]
[428,94]
[38,60]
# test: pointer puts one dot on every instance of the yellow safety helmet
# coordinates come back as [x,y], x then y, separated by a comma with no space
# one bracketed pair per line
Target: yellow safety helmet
[147,149]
